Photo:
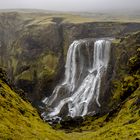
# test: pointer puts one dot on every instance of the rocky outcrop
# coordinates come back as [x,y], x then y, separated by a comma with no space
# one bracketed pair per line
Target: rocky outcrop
[33,47]
[126,55]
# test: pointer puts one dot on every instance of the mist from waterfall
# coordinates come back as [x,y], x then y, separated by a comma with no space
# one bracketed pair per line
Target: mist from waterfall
[82,81]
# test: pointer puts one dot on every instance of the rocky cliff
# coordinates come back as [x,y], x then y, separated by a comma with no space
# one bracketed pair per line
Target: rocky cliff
[122,120]
[19,120]
[34,46]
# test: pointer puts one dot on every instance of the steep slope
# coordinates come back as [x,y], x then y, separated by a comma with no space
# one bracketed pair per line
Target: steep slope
[33,46]
[19,120]
[121,124]
[123,120]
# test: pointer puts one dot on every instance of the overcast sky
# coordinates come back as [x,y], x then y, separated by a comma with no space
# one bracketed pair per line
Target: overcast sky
[71,5]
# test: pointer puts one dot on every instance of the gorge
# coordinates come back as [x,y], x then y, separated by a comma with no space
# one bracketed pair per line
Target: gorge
[34,46]
[84,72]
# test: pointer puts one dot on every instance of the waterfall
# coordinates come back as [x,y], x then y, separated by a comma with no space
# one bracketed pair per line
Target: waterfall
[76,92]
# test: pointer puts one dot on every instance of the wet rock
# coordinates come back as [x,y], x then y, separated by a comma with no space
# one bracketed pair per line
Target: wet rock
[69,122]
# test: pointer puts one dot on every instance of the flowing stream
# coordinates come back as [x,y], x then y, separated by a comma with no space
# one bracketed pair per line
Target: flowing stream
[82,81]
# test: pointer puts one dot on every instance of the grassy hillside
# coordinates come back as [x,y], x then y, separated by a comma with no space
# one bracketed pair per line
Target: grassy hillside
[19,120]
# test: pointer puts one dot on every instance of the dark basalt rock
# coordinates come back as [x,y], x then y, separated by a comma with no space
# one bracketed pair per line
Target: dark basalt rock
[69,123]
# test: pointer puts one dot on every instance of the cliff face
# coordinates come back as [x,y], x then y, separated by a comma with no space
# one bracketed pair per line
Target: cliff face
[34,47]
[24,63]
[126,63]
[122,120]
[30,52]
[97,30]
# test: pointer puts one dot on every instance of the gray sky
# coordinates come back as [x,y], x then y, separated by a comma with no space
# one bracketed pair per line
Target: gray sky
[71,5]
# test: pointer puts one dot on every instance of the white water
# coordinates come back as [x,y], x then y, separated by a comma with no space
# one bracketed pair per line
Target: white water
[88,90]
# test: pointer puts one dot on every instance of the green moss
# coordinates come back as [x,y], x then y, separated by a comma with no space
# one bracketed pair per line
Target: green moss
[125,87]
[48,66]
[125,125]
[42,67]
[123,121]
[130,84]
[50,60]
[134,62]
[47,72]
[26,75]
[116,41]
[19,120]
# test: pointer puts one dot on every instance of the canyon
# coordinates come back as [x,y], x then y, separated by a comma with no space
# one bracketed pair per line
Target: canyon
[34,46]
[69,66]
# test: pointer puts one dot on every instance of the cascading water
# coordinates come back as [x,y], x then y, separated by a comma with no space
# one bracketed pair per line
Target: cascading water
[82,81]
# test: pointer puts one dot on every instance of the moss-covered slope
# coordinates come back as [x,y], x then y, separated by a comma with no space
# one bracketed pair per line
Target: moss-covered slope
[19,120]
[123,120]
[124,125]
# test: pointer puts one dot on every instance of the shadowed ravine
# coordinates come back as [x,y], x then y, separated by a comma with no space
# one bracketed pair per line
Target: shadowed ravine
[80,89]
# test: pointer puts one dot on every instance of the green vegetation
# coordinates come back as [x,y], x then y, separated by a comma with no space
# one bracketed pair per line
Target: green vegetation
[49,63]
[123,121]
[19,120]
